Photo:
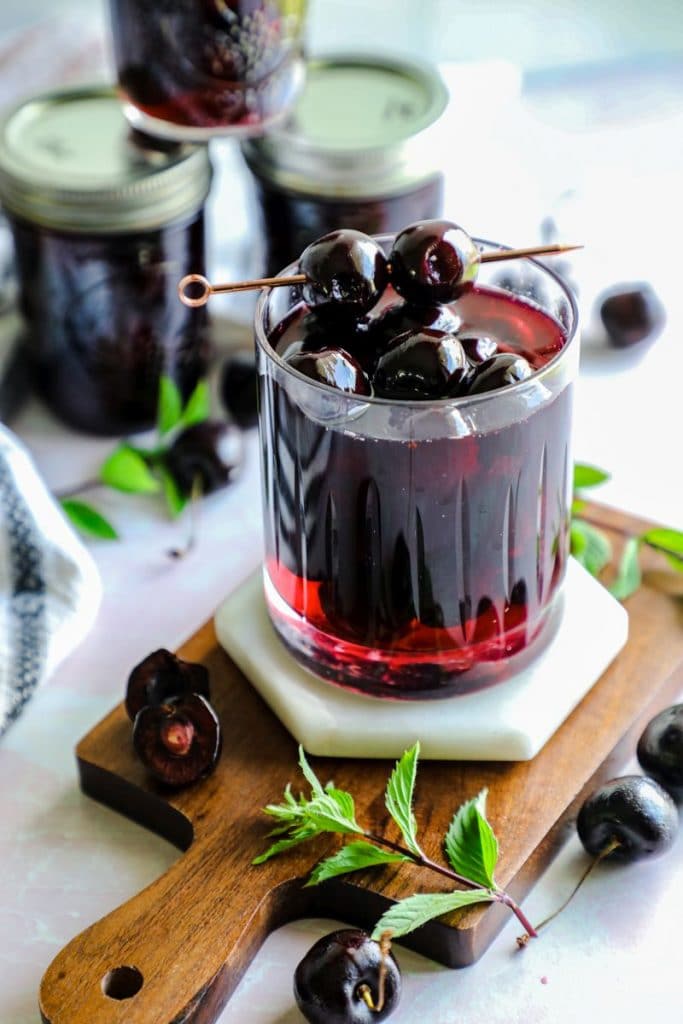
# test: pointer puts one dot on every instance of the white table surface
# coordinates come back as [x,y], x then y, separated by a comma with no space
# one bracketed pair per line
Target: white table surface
[64,860]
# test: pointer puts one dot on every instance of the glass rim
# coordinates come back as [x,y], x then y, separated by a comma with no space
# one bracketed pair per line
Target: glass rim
[421,404]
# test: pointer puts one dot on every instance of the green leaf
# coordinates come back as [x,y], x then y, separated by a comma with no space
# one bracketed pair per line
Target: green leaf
[353,857]
[578,507]
[669,542]
[333,812]
[628,576]
[175,501]
[198,406]
[88,520]
[588,476]
[126,470]
[590,546]
[577,540]
[281,846]
[471,846]
[169,405]
[399,797]
[308,773]
[411,913]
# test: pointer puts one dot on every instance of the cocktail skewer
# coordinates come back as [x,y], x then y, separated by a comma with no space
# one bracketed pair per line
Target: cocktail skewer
[204,288]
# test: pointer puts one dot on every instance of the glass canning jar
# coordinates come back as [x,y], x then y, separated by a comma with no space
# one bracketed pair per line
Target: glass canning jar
[105,222]
[359,150]
[193,69]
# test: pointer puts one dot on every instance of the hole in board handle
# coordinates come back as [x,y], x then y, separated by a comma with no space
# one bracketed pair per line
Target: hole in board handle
[122,983]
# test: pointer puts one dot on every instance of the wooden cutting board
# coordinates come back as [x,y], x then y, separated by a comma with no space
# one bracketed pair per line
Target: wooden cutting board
[174,953]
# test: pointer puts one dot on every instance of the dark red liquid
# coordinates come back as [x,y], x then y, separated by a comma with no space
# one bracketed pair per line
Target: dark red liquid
[424,567]
[207,63]
[103,321]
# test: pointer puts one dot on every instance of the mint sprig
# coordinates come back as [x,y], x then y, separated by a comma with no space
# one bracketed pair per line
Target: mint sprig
[470,845]
[88,520]
[592,548]
[399,797]
[144,471]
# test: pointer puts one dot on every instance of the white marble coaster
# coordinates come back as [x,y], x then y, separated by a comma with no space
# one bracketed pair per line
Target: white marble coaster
[511,721]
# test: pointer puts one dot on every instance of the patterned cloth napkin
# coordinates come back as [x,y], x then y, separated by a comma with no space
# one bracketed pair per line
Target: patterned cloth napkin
[50,589]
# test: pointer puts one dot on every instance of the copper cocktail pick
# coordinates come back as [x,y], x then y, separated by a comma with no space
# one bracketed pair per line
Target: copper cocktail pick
[206,289]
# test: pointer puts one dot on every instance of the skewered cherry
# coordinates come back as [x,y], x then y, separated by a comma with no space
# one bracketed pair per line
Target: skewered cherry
[346,273]
[433,261]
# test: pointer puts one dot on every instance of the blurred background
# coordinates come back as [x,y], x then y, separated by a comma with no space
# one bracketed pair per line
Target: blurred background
[535,34]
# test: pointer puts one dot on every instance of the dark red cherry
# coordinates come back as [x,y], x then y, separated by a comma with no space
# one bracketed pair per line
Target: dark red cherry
[421,364]
[433,261]
[499,372]
[402,317]
[206,454]
[632,811]
[161,676]
[179,742]
[346,273]
[660,750]
[338,981]
[478,348]
[631,314]
[334,367]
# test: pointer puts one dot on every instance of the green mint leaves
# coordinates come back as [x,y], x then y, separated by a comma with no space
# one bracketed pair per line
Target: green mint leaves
[409,914]
[326,810]
[353,857]
[588,476]
[470,844]
[126,470]
[592,548]
[88,520]
[133,470]
[399,797]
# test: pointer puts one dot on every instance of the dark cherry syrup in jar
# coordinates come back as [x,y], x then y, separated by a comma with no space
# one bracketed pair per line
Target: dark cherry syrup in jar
[193,66]
[104,221]
[417,564]
[102,323]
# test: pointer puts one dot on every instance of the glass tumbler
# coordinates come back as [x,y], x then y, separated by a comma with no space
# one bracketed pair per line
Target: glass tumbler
[194,69]
[417,549]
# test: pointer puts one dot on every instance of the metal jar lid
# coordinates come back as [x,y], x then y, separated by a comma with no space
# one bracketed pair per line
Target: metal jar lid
[68,160]
[362,127]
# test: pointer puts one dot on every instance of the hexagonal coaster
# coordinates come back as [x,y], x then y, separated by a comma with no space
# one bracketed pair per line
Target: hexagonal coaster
[510,721]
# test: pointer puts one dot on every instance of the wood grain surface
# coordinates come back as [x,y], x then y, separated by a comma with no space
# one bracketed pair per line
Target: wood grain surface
[186,940]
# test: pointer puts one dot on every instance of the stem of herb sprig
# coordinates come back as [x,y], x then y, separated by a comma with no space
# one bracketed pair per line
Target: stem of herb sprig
[499,895]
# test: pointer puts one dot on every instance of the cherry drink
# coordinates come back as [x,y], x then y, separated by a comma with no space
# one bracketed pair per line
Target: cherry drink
[418,548]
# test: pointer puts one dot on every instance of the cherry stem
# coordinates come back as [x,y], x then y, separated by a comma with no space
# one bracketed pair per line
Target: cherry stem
[364,990]
[193,528]
[613,845]
[499,895]
[71,492]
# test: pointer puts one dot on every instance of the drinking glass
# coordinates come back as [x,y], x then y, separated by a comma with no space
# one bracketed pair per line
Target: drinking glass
[418,548]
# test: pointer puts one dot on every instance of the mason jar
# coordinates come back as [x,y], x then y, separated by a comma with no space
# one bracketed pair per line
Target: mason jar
[360,150]
[105,221]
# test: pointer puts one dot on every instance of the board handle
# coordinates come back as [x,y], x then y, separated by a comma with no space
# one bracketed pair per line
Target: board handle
[174,953]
